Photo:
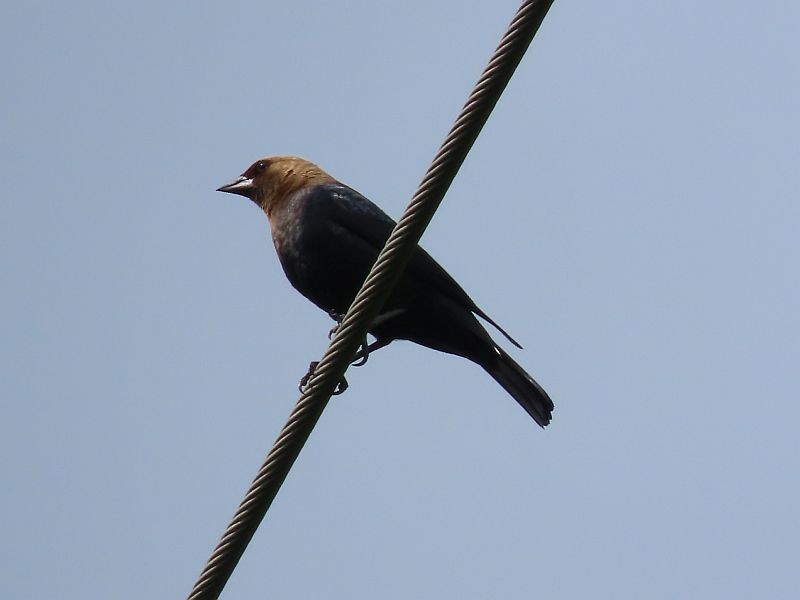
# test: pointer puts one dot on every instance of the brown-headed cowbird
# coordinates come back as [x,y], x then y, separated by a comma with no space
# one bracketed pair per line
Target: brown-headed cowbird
[328,236]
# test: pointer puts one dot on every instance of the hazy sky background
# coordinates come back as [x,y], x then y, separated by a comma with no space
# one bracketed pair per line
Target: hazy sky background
[630,214]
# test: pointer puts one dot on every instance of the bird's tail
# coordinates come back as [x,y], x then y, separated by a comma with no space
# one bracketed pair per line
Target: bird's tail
[521,386]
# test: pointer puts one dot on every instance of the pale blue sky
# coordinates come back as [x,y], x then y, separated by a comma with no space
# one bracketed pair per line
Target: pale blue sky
[630,214]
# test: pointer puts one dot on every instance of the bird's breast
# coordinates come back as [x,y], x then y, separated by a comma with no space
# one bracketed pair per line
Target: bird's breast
[313,258]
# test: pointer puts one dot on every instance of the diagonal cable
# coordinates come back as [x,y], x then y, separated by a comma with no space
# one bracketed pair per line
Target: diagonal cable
[369,300]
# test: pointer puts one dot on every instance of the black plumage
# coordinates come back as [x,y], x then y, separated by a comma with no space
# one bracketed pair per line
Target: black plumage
[328,236]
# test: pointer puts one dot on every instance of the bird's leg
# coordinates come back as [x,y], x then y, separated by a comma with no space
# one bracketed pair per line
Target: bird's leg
[341,387]
[364,351]
[336,316]
[362,355]
[307,377]
[359,359]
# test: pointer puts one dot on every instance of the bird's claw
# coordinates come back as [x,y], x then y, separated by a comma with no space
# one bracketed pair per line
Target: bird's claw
[307,377]
[360,359]
[364,352]
[336,316]
[341,387]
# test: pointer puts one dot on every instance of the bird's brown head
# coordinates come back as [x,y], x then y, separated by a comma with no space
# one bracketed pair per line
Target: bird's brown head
[269,181]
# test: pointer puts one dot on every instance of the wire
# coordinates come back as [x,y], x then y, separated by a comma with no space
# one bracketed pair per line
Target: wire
[369,300]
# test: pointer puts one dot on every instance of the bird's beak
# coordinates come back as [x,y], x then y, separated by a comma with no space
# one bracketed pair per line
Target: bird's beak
[243,186]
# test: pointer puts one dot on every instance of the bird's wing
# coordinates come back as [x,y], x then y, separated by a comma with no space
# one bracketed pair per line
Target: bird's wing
[365,220]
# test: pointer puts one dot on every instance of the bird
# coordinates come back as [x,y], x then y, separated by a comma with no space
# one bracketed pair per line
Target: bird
[327,237]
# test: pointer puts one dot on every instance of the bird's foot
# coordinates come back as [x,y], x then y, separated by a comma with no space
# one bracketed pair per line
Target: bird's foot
[341,387]
[363,353]
[336,316]
[361,357]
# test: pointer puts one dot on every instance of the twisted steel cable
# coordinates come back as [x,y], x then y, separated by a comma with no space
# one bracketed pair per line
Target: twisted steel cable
[369,300]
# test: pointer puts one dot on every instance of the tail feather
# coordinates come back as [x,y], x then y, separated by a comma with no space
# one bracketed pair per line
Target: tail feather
[522,387]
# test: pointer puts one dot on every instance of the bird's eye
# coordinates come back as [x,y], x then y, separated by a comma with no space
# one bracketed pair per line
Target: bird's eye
[261,166]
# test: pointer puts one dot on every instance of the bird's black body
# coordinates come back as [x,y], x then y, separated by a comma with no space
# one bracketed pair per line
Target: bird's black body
[328,236]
